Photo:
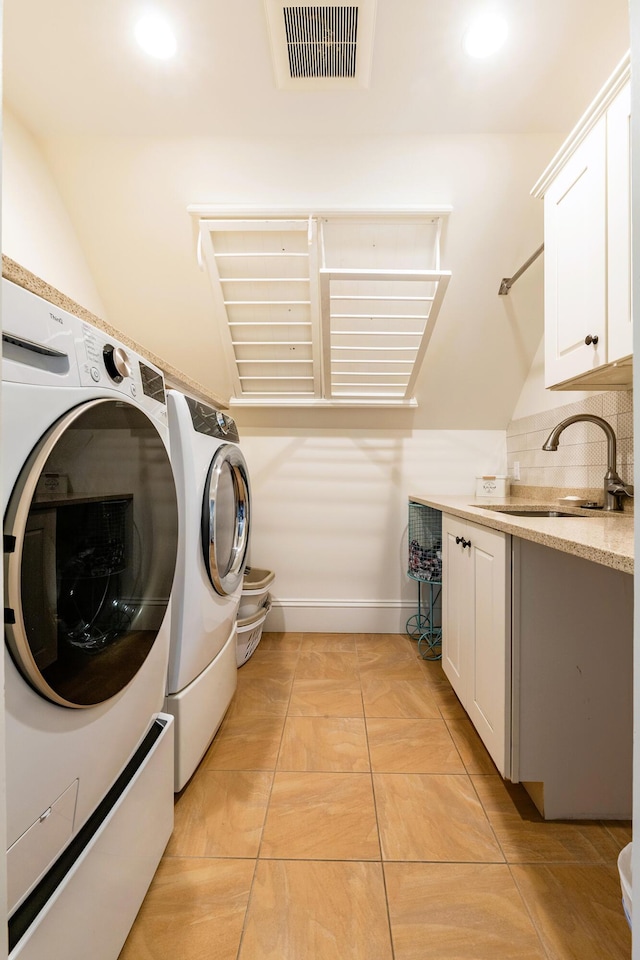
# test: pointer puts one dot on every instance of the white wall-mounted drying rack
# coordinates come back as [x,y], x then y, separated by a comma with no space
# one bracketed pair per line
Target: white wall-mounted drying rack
[329,307]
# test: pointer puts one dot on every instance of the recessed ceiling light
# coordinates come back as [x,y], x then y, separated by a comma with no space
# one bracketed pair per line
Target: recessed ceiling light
[154,34]
[485,35]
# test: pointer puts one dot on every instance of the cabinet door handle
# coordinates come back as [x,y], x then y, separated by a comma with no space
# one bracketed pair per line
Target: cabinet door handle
[465,543]
[589,339]
[459,539]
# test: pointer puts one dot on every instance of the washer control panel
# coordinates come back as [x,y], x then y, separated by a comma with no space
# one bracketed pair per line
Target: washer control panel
[106,362]
[116,362]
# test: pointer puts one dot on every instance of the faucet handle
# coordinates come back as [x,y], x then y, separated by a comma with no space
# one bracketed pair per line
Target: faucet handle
[619,488]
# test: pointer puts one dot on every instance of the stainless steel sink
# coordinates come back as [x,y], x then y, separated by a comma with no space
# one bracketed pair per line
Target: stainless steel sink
[542,513]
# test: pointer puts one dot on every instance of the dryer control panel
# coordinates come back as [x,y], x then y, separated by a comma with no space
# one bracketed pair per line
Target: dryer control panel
[213,423]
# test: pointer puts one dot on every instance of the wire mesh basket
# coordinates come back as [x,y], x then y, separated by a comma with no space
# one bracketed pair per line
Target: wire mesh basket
[425,566]
[425,543]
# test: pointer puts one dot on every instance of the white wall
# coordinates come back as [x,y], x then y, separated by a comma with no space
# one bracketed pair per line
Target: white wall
[330,517]
[36,229]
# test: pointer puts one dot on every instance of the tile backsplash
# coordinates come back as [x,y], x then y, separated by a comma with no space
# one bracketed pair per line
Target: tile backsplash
[580,462]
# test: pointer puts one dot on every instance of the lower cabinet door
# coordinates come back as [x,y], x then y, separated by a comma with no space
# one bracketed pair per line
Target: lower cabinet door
[476,629]
[455,611]
[489,703]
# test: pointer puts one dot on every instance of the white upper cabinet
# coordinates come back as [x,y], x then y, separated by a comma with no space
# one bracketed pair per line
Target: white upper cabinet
[575,290]
[620,329]
[587,236]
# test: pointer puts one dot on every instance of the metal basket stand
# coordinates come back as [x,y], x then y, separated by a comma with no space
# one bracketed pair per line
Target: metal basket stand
[425,566]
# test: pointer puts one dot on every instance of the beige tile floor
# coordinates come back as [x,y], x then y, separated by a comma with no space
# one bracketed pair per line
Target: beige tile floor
[347,810]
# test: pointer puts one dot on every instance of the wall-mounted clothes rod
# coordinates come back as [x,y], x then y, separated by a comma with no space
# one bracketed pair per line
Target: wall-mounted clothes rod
[508,282]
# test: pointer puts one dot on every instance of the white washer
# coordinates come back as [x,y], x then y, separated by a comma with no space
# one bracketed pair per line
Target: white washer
[212,481]
[90,541]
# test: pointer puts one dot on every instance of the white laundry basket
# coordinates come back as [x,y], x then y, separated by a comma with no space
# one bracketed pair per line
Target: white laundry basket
[255,590]
[249,632]
[624,868]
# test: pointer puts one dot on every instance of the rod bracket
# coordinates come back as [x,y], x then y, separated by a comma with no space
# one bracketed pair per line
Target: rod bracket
[508,282]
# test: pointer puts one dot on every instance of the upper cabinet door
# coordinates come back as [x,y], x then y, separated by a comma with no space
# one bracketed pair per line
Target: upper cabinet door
[620,330]
[575,262]
[587,210]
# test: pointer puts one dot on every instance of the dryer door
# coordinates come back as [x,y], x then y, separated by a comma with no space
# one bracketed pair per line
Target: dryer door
[91,534]
[226,519]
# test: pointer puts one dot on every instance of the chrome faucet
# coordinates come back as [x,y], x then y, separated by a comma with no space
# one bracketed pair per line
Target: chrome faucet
[614,488]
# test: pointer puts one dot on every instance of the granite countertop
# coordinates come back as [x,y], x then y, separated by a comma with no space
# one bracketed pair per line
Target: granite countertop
[605,538]
[174,377]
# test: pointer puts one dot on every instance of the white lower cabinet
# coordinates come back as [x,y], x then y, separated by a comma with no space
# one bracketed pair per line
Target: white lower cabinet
[476,629]
[538,646]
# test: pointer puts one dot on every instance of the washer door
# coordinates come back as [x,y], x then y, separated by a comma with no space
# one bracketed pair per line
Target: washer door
[226,519]
[91,534]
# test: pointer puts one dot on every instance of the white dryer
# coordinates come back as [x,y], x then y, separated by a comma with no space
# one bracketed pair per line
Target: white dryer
[212,481]
[90,543]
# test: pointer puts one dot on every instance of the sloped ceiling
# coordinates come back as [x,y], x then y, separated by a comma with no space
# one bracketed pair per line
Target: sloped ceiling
[131,143]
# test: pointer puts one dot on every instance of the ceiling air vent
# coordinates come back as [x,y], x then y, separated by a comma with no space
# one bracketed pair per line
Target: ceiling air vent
[321,47]
[321,41]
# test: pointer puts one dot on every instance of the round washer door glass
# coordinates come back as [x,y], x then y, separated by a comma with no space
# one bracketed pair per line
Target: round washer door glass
[226,519]
[94,517]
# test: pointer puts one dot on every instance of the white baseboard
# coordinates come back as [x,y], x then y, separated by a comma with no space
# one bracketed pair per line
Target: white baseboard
[339,616]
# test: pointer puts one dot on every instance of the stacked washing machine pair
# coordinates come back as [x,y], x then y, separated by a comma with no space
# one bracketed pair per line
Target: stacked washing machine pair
[120,595]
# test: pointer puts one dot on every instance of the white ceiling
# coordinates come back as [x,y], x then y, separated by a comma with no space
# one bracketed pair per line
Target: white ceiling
[71,67]
[129,143]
